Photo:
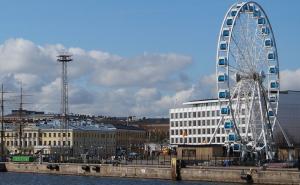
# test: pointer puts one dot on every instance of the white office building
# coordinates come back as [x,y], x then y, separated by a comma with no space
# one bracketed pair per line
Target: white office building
[196,121]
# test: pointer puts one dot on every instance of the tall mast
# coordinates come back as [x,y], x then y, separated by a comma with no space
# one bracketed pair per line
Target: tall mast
[2,124]
[20,118]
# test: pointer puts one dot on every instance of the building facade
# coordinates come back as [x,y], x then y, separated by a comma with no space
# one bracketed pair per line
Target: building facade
[129,138]
[196,121]
[94,140]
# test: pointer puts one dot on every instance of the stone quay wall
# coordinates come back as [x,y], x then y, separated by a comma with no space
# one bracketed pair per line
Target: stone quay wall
[93,170]
[214,174]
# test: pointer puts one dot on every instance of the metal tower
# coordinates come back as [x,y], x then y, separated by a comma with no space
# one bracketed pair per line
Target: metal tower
[64,58]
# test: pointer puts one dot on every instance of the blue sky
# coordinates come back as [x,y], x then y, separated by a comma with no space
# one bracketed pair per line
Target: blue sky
[132,28]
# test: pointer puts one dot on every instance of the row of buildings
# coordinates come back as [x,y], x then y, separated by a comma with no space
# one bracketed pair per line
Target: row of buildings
[95,140]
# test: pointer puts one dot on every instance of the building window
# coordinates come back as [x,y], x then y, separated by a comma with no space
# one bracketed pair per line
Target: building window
[194,123]
[45,135]
[185,115]
[194,114]
[208,113]
[184,123]
[69,134]
[49,134]
[30,135]
[208,122]
[199,139]
[34,143]
[199,123]
[180,115]
[213,122]
[194,140]
[172,140]
[199,114]
[199,131]
[172,115]
[243,121]
[172,132]
[203,131]
[45,143]
[190,123]
[176,140]
[176,115]
[7,143]
[213,113]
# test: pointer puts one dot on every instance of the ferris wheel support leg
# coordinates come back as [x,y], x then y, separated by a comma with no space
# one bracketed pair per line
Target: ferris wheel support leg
[281,129]
[284,134]
[215,132]
[249,117]
[263,125]
[232,113]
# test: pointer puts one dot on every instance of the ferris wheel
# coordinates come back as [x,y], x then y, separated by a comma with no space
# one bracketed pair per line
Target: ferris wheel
[247,72]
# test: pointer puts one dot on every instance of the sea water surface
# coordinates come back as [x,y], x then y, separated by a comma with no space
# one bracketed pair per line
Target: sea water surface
[8,178]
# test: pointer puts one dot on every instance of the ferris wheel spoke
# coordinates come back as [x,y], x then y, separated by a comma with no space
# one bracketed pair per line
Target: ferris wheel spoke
[240,51]
[249,115]
[244,37]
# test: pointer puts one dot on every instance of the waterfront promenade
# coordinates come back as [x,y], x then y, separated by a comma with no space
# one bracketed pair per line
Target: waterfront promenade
[214,174]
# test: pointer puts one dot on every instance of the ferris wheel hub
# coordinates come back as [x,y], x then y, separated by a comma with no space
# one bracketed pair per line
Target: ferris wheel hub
[260,77]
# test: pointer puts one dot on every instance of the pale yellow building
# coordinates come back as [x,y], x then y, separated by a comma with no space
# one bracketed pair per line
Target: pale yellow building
[95,141]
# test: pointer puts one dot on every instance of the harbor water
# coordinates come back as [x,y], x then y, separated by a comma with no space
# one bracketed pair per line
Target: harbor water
[8,178]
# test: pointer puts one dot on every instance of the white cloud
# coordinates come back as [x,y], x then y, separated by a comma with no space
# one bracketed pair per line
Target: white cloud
[100,82]
[105,83]
[289,79]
